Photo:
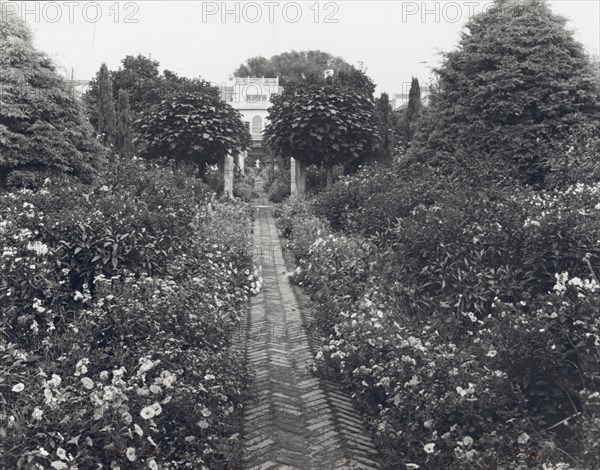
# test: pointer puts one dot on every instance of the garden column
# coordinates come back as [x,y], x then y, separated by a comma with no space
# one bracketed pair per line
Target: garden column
[228,176]
[242,161]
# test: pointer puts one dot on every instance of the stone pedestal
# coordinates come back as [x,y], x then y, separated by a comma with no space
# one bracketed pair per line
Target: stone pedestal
[297,177]
[228,176]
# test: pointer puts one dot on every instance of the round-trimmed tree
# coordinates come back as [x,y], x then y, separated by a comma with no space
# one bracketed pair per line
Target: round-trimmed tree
[516,88]
[193,129]
[322,122]
[43,130]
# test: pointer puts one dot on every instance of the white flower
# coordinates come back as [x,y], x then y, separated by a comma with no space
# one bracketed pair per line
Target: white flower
[461,391]
[147,412]
[87,383]
[492,353]
[37,414]
[523,438]
[131,454]
[18,388]
[138,430]
[467,441]
[203,424]
[80,367]
[152,464]
[429,448]
[157,409]
[38,248]
[127,418]
[62,453]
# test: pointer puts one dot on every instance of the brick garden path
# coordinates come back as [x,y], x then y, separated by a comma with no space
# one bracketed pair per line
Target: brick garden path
[295,419]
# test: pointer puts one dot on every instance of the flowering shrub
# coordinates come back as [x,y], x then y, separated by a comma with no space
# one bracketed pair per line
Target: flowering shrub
[244,184]
[371,200]
[467,328]
[278,190]
[118,304]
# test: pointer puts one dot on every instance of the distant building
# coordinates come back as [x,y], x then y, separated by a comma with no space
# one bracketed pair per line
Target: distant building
[400,100]
[251,97]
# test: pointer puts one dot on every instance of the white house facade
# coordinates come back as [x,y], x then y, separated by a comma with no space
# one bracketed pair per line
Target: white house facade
[251,97]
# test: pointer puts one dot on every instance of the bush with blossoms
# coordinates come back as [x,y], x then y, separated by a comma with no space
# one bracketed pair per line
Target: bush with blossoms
[118,306]
[467,328]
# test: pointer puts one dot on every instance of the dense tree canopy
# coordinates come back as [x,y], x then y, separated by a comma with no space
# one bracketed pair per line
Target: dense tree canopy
[146,86]
[43,130]
[321,122]
[193,128]
[509,96]
[292,66]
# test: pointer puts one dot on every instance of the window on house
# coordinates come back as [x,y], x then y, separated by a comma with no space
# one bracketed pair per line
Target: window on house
[256,125]
[255,98]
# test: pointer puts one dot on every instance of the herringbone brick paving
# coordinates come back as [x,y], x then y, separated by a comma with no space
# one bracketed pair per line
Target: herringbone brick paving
[295,419]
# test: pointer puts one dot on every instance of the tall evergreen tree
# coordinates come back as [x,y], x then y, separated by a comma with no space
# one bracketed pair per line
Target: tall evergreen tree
[385,122]
[509,97]
[43,130]
[124,143]
[413,109]
[107,118]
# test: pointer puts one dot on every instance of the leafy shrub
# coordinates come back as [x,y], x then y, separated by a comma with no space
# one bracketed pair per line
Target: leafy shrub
[371,201]
[286,214]
[244,185]
[118,303]
[467,325]
[214,180]
[279,190]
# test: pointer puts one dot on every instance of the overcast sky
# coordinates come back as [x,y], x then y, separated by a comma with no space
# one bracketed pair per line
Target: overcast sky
[394,39]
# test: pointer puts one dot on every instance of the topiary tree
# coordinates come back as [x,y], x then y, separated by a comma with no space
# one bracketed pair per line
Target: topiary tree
[321,122]
[516,88]
[124,143]
[193,129]
[43,130]
[107,116]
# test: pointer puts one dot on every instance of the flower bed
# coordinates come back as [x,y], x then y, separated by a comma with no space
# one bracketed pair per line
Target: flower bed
[467,329]
[118,305]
